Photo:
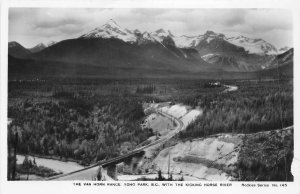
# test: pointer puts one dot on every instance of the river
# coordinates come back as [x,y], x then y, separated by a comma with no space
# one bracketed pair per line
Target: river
[56,165]
[230,88]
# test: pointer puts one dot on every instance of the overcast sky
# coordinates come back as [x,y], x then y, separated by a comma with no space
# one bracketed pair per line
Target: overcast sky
[30,26]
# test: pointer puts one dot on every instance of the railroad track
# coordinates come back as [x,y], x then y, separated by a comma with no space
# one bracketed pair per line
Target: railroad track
[118,159]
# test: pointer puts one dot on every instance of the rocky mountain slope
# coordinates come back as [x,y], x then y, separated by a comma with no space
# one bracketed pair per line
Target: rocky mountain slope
[281,66]
[283,49]
[253,46]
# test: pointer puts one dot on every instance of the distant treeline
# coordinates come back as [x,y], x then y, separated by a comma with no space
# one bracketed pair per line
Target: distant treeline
[149,89]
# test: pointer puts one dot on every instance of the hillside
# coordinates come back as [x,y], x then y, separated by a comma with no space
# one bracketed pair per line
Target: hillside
[17,50]
[282,66]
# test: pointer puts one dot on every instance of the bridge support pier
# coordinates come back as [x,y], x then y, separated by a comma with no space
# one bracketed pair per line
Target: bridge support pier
[127,161]
[112,171]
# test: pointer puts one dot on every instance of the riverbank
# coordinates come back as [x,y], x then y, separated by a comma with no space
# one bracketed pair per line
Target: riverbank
[56,165]
[31,171]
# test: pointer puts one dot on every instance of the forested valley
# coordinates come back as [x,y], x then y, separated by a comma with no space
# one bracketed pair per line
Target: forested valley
[69,125]
[92,120]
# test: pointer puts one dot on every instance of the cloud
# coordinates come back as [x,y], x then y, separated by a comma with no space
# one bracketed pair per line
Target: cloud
[267,20]
[30,26]
[57,23]
[149,11]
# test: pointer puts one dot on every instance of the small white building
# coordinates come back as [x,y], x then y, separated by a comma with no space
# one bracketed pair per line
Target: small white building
[215,83]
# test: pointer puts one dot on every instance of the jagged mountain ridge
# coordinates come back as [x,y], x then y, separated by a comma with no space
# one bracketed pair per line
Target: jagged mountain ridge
[246,54]
[112,30]
[113,47]
[253,46]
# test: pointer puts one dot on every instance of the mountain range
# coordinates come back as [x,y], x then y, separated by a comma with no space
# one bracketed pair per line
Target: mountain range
[111,50]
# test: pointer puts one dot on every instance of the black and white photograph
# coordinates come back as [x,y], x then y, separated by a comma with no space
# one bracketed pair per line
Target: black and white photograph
[150,94]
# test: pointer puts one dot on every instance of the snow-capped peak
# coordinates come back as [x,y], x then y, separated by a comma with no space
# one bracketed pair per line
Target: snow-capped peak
[160,31]
[41,45]
[212,34]
[112,23]
[136,31]
[51,43]
[147,36]
[187,41]
[192,41]
[253,46]
[160,34]
[283,49]
[45,45]
[111,30]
